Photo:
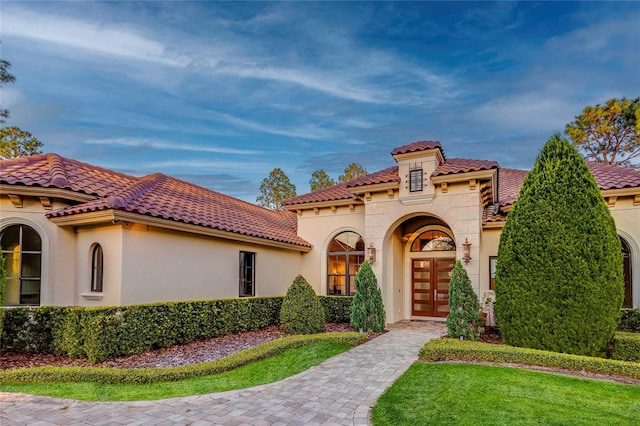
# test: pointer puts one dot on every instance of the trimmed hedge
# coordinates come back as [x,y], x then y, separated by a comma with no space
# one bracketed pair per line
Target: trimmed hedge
[336,308]
[630,320]
[152,375]
[103,333]
[453,349]
[626,346]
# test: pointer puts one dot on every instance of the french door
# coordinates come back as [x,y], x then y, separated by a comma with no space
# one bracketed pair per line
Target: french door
[430,286]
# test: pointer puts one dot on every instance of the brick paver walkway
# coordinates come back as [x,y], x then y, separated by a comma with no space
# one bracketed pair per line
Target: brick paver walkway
[339,391]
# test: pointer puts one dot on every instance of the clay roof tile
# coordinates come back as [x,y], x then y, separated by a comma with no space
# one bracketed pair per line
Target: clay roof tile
[155,195]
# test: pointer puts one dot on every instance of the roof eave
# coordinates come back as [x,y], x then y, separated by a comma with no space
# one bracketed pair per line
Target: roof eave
[464,176]
[376,187]
[41,191]
[322,204]
[432,152]
[113,216]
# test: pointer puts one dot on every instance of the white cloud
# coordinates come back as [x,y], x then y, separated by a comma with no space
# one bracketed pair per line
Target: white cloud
[303,132]
[94,36]
[195,164]
[526,112]
[171,146]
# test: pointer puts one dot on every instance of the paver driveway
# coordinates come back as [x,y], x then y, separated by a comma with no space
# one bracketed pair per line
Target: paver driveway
[340,391]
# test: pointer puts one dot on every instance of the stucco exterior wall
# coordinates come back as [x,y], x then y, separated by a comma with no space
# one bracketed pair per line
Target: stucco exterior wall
[490,241]
[627,217]
[110,239]
[162,265]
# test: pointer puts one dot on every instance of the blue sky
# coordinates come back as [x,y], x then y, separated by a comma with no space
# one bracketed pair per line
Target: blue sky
[219,94]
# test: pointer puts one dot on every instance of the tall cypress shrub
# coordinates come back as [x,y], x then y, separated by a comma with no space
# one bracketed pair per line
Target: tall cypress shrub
[559,283]
[367,310]
[465,314]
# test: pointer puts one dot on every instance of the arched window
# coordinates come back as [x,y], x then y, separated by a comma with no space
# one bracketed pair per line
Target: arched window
[22,251]
[96,269]
[346,253]
[626,253]
[433,241]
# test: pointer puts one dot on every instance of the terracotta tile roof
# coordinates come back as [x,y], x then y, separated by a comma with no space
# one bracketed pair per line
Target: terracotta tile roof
[383,176]
[614,177]
[337,192]
[53,171]
[510,182]
[417,146]
[341,191]
[155,195]
[460,165]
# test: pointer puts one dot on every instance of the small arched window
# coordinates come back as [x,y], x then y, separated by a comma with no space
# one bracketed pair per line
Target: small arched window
[22,252]
[96,269]
[346,253]
[433,241]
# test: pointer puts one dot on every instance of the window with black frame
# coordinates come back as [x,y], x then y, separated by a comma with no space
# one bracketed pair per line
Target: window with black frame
[247,274]
[22,252]
[96,269]
[415,180]
[346,253]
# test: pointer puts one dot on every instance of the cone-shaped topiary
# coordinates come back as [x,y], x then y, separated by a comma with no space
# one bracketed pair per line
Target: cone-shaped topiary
[367,310]
[301,312]
[465,315]
[559,283]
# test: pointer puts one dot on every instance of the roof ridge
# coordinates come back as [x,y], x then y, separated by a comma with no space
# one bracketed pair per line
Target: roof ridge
[138,189]
[57,170]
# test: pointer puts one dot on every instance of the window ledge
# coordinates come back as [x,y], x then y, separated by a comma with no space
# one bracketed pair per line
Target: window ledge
[92,296]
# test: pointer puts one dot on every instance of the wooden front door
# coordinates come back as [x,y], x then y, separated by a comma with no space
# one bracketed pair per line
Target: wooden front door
[430,286]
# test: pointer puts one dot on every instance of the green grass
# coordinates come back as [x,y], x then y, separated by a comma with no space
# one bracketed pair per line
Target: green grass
[268,370]
[469,394]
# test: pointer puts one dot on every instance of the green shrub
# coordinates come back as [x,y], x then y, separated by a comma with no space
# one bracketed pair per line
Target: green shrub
[559,283]
[626,346]
[336,308]
[367,310]
[151,375]
[453,349]
[465,315]
[104,333]
[630,320]
[301,312]
[33,329]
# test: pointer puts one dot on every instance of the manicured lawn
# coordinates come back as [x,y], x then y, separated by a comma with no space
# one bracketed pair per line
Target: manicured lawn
[468,394]
[269,370]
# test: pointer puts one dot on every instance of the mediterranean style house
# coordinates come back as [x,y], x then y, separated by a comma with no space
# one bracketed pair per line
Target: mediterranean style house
[75,234]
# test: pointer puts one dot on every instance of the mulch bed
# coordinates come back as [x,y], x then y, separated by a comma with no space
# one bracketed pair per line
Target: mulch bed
[189,353]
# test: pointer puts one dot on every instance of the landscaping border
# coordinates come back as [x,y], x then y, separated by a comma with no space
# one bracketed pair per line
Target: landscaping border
[453,349]
[152,375]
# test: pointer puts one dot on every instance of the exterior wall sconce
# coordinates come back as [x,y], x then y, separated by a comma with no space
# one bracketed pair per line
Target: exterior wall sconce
[372,253]
[467,251]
